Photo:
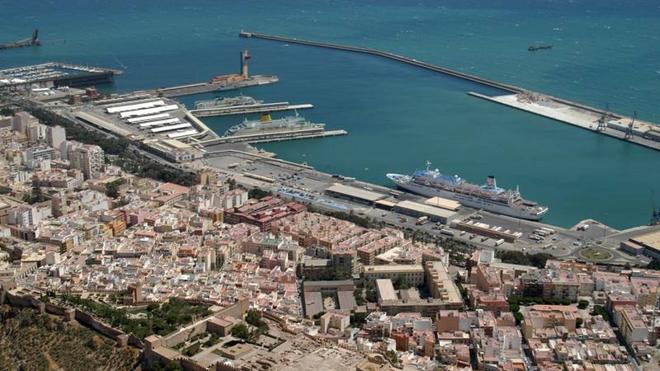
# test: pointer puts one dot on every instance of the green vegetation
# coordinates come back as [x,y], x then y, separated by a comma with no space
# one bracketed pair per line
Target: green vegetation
[7,112]
[192,350]
[258,193]
[519,317]
[171,366]
[240,331]
[359,296]
[579,322]
[392,357]
[595,254]
[463,291]
[161,319]
[583,304]
[140,165]
[400,283]
[358,319]
[459,251]
[33,341]
[112,188]
[372,295]
[600,310]
[520,258]
[654,264]
[213,340]
[126,158]
[531,300]
[253,317]
[35,196]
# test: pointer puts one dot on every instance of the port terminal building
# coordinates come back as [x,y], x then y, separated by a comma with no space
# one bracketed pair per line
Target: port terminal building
[647,244]
[354,194]
[416,209]
[444,214]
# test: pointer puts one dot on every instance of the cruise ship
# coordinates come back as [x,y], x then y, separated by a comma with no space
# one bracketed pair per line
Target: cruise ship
[227,102]
[267,124]
[489,197]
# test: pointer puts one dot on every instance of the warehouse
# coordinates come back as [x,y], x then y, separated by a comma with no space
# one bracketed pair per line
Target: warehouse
[354,194]
[415,209]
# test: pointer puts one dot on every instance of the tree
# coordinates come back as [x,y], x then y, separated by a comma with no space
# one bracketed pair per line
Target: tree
[253,317]
[600,310]
[240,331]
[519,317]
[359,297]
[392,357]
[358,319]
[654,264]
[400,283]
[583,304]
[372,295]
[36,195]
[258,193]
[578,322]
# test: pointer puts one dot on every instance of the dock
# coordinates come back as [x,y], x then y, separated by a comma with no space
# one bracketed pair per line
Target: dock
[616,126]
[209,87]
[233,81]
[649,138]
[247,109]
[55,74]
[273,136]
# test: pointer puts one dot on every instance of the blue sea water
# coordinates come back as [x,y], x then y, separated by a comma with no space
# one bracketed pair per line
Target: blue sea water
[398,116]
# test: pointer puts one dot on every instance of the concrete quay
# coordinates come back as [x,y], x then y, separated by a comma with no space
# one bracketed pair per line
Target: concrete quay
[248,109]
[208,87]
[569,114]
[274,136]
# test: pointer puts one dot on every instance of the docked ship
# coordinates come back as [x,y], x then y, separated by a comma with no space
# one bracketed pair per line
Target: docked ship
[267,124]
[227,102]
[489,197]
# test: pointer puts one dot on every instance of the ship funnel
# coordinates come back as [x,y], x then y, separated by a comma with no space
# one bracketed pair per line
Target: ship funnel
[491,182]
[266,117]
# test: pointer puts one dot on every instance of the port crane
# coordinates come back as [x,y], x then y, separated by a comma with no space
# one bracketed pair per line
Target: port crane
[606,116]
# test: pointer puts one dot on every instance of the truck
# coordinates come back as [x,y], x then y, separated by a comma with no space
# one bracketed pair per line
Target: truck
[499,242]
[447,232]
[548,230]
[422,220]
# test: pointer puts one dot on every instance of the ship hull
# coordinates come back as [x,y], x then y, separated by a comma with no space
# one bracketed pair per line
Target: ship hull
[469,201]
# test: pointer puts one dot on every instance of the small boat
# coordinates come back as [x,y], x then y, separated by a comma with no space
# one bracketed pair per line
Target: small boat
[533,48]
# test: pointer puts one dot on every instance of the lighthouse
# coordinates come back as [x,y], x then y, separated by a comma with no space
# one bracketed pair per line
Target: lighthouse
[245,56]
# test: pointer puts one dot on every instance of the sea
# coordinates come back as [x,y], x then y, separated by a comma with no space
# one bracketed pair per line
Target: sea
[605,54]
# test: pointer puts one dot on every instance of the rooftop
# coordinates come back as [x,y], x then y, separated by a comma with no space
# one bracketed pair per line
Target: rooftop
[356,192]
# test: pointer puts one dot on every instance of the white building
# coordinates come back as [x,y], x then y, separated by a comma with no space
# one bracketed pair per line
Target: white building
[89,159]
[56,137]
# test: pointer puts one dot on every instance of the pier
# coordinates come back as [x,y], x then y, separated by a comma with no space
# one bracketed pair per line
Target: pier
[618,127]
[209,87]
[247,109]
[575,113]
[54,74]
[273,136]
